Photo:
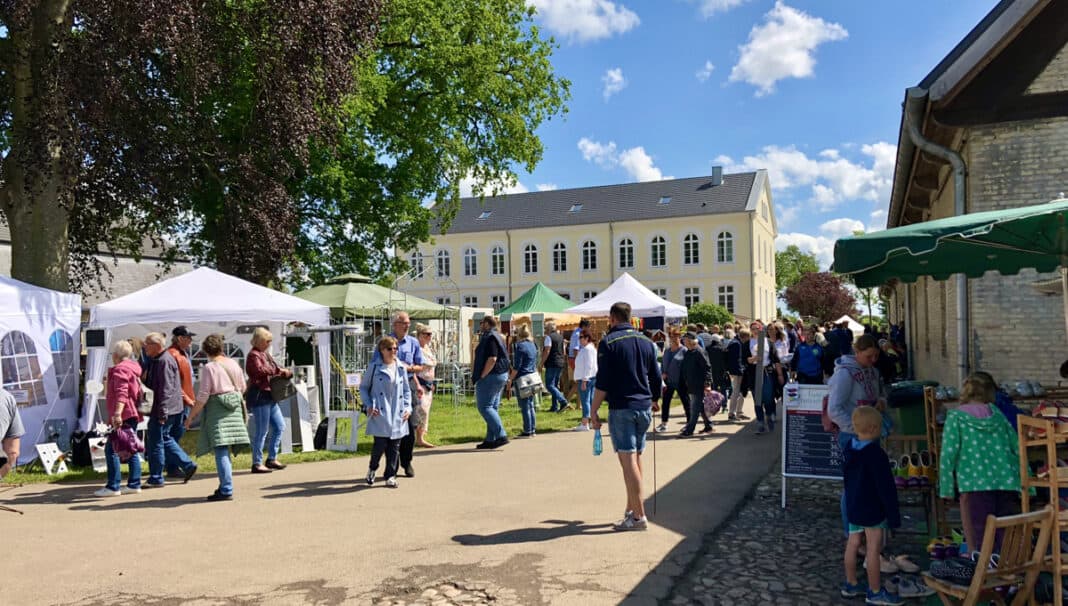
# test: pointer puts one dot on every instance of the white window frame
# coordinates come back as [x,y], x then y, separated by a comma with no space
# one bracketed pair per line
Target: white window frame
[652,253]
[498,250]
[63,346]
[470,300]
[660,292]
[588,294]
[416,261]
[528,249]
[721,295]
[498,302]
[443,263]
[626,242]
[722,260]
[691,295]
[560,247]
[691,243]
[444,300]
[588,251]
[15,347]
[470,261]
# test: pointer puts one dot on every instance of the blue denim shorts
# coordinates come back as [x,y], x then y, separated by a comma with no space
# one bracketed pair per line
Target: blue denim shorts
[627,429]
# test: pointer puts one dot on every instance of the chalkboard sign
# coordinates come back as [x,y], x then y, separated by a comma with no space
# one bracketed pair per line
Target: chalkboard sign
[807,450]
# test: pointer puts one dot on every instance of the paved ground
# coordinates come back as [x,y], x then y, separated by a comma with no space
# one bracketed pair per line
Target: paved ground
[527,524]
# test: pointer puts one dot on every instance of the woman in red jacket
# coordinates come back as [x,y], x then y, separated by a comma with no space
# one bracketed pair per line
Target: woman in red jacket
[261,368]
[124,391]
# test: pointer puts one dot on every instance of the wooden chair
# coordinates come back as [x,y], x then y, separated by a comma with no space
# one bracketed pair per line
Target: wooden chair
[1022,557]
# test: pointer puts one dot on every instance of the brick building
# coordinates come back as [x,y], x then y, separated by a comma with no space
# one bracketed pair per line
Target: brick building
[997,106]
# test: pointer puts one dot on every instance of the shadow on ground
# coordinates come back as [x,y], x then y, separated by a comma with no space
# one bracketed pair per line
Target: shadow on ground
[557,530]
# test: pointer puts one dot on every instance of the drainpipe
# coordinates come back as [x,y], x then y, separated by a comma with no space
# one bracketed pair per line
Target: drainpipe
[508,263]
[752,267]
[611,253]
[909,336]
[915,105]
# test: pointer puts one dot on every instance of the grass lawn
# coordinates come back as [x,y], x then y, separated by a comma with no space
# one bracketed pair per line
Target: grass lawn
[448,425]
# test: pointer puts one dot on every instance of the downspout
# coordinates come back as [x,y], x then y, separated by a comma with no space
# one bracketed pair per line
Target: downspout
[909,336]
[915,105]
[508,263]
[611,253]
[752,266]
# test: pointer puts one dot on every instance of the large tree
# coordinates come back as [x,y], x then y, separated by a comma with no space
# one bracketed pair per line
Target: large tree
[791,265]
[116,116]
[822,296]
[456,90]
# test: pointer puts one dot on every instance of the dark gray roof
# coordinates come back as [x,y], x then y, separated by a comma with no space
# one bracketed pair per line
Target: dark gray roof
[148,249]
[626,202]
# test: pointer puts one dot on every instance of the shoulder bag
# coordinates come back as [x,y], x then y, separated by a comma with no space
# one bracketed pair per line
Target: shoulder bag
[528,385]
[144,403]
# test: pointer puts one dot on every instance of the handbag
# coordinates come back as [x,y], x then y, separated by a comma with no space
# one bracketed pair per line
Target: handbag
[713,403]
[144,403]
[282,388]
[125,443]
[528,385]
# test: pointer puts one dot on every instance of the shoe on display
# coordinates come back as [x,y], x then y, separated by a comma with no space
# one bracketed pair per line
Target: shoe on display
[887,565]
[1023,388]
[107,492]
[1037,389]
[910,587]
[906,565]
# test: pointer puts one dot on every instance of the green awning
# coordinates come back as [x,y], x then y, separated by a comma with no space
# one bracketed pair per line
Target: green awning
[540,299]
[1000,240]
[354,295]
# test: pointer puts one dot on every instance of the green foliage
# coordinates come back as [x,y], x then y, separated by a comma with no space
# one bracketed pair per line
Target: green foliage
[709,314]
[791,265]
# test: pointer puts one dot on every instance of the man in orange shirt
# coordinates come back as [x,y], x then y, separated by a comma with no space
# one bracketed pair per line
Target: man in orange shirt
[181,341]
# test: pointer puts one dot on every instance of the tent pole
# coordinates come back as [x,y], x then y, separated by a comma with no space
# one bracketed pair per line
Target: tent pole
[1064,295]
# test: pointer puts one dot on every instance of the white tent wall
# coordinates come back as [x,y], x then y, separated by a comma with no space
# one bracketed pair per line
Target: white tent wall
[644,302]
[35,321]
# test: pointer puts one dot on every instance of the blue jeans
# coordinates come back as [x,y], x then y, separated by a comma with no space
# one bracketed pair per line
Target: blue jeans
[115,465]
[267,416]
[627,428]
[225,469]
[161,448]
[586,396]
[177,430]
[488,399]
[765,408]
[526,409]
[552,383]
[844,438]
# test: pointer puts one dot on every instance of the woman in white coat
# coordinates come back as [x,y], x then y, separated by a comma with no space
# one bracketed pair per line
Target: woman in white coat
[386,397]
[586,375]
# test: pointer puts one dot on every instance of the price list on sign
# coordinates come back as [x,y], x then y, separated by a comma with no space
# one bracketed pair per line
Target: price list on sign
[807,450]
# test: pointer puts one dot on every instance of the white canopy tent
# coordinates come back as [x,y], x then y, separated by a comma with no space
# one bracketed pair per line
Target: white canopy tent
[854,327]
[206,301]
[39,345]
[644,303]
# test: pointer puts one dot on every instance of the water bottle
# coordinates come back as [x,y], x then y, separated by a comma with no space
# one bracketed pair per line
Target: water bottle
[597,445]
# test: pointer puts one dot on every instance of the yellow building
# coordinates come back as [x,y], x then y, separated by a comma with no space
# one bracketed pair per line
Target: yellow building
[706,238]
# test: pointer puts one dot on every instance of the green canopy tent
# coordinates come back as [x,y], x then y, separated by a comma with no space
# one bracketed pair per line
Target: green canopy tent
[1006,241]
[540,299]
[355,296]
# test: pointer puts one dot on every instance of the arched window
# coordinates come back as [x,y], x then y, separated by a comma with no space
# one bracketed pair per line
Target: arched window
[21,370]
[444,264]
[530,259]
[560,257]
[470,262]
[589,255]
[725,247]
[197,357]
[658,252]
[691,250]
[416,261]
[497,261]
[62,346]
[626,253]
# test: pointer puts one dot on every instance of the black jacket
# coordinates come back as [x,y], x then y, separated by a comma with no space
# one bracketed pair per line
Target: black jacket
[735,361]
[696,371]
[749,378]
[717,359]
[870,494]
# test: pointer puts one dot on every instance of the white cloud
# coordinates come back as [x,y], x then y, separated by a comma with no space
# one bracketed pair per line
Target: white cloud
[840,228]
[705,72]
[585,20]
[878,220]
[637,163]
[711,7]
[832,178]
[785,216]
[503,184]
[613,81]
[820,246]
[783,47]
[546,186]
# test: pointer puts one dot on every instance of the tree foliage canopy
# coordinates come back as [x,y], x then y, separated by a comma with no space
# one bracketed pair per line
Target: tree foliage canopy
[791,265]
[821,295]
[709,314]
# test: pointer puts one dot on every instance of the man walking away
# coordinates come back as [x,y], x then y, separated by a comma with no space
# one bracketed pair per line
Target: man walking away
[629,378]
[181,341]
[553,360]
[165,383]
[736,368]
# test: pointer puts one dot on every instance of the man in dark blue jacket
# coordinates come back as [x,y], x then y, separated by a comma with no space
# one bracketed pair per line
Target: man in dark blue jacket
[736,369]
[629,378]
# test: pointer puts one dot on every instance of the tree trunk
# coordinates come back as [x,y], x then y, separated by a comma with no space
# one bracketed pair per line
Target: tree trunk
[40,250]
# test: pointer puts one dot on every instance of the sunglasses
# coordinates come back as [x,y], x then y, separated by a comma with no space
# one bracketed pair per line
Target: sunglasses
[426,334]
[389,349]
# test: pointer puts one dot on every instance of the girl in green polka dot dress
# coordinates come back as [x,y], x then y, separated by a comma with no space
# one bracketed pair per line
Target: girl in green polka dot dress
[980,451]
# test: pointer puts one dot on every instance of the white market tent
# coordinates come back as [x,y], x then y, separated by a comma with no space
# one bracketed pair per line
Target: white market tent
[644,303]
[206,301]
[39,345]
[854,327]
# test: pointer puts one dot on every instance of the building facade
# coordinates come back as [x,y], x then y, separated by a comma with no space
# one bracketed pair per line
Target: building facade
[1000,101]
[706,239]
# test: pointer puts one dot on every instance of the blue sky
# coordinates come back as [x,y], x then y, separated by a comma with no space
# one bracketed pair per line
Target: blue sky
[810,90]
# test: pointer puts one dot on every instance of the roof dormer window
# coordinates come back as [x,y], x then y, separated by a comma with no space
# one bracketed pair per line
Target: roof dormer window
[665,199]
[575,208]
[485,215]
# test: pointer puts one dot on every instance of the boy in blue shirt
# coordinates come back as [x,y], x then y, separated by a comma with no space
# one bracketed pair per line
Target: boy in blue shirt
[871,505]
[808,360]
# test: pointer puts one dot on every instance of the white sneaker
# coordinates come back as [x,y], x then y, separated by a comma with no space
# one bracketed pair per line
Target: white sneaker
[128,490]
[391,482]
[107,492]
[630,523]
[661,428]
[581,427]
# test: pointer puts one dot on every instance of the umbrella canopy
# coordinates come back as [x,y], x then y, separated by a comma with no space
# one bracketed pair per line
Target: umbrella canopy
[540,299]
[355,295]
[1002,240]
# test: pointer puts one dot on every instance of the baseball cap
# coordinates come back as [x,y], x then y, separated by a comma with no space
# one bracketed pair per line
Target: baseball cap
[690,335]
[182,331]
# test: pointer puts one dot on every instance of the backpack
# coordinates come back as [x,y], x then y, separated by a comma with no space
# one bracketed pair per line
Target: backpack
[825,418]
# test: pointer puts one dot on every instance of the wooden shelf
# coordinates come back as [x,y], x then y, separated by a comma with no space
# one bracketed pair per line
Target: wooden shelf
[1057,562]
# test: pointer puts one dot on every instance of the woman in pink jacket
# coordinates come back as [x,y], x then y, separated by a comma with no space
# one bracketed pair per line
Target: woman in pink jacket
[124,391]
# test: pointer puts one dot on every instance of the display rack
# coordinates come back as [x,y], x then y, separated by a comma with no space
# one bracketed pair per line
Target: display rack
[1039,433]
